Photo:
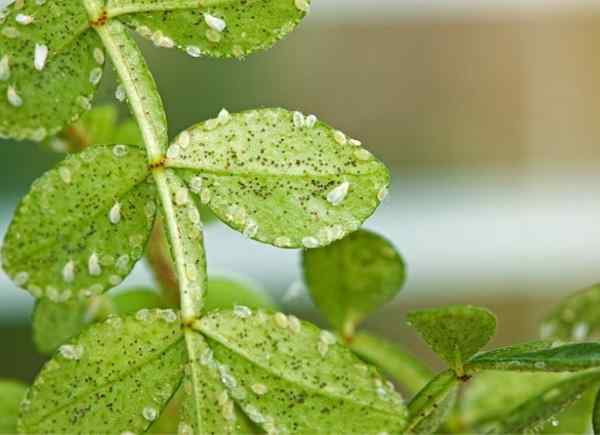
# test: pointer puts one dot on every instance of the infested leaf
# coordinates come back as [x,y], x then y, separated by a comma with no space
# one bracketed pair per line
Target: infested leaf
[225,293]
[116,377]
[428,408]
[455,333]
[207,406]
[576,318]
[353,277]
[11,395]
[83,225]
[286,375]
[279,182]
[392,359]
[216,28]
[531,415]
[559,358]
[439,414]
[135,299]
[51,62]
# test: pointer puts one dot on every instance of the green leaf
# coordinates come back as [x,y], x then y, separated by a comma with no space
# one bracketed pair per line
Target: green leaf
[289,375]
[225,293]
[576,318]
[207,405]
[392,359]
[83,225]
[353,277]
[55,323]
[487,395]
[485,400]
[455,333]
[38,100]
[428,407]
[11,395]
[531,415]
[116,377]
[279,183]
[565,358]
[197,26]
[439,415]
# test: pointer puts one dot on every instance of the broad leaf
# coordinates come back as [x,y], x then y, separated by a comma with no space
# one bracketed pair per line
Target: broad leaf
[431,404]
[454,333]
[116,377]
[286,375]
[565,358]
[531,415]
[83,225]
[291,184]
[576,318]
[217,28]
[11,395]
[226,293]
[55,323]
[392,359]
[353,277]
[51,62]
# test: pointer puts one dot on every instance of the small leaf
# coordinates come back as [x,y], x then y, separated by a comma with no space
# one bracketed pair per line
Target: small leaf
[11,395]
[565,358]
[287,375]
[353,277]
[235,28]
[536,411]
[116,377]
[280,182]
[51,62]
[439,415]
[455,333]
[424,408]
[392,359]
[56,323]
[576,318]
[83,225]
[225,293]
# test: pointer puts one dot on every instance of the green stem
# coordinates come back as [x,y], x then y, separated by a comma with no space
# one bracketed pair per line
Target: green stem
[403,367]
[146,105]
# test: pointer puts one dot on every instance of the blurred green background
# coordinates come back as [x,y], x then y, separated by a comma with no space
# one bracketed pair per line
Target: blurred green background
[487,117]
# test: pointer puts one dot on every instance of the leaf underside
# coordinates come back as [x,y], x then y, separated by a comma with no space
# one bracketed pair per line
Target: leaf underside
[269,179]
[352,277]
[565,358]
[116,377]
[454,333]
[64,241]
[250,25]
[64,88]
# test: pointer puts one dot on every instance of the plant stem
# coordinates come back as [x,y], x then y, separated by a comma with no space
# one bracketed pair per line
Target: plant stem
[146,105]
